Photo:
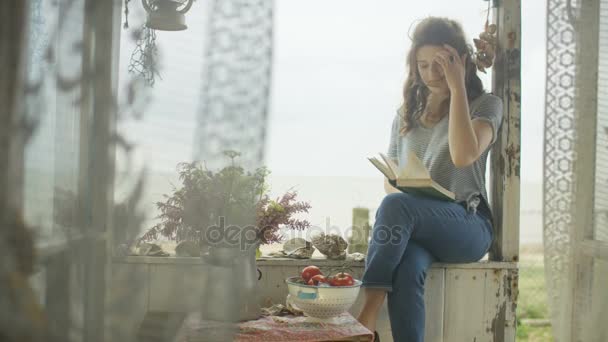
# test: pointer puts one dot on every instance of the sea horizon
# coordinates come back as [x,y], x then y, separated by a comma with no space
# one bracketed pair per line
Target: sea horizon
[333,198]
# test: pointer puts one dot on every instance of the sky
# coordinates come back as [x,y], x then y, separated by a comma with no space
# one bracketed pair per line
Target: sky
[337,75]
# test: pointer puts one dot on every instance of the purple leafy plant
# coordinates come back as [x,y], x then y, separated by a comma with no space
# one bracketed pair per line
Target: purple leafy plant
[238,196]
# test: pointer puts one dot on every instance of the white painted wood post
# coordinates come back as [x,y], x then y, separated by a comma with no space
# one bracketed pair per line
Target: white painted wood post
[587,27]
[505,162]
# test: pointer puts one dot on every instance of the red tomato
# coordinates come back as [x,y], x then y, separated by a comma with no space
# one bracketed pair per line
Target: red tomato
[342,279]
[315,280]
[309,271]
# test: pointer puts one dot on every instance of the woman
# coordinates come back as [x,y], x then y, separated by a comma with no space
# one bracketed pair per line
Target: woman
[450,123]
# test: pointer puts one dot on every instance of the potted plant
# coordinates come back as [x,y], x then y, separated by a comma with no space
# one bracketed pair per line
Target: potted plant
[228,213]
[230,197]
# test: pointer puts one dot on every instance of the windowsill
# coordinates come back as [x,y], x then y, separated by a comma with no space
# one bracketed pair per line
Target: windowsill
[172,260]
[134,259]
[48,246]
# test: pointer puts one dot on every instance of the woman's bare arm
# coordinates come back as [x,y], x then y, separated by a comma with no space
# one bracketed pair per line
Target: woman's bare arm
[468,139]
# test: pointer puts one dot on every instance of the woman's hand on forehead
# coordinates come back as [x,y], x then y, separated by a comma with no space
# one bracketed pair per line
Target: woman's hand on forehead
[453,66]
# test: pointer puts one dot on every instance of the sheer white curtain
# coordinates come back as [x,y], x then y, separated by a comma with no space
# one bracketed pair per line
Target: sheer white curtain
[20,314]
[108,112]
[561,41]
[576,172]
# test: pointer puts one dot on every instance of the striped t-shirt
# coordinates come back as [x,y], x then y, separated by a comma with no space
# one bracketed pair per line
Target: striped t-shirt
[431,146]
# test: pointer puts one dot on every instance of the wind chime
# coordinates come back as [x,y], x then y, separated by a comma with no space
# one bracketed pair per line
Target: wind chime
[167,15]
[162,15]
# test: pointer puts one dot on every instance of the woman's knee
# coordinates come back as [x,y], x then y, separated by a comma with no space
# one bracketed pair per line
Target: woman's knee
[395,198]
[395,202]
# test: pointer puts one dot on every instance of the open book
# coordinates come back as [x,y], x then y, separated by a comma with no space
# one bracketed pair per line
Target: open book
[413,178]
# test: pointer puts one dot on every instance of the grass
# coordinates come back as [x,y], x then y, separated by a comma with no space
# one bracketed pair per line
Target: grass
[533,334]
[532,301]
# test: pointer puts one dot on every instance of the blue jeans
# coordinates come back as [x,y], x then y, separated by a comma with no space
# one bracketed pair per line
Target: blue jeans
[409,234]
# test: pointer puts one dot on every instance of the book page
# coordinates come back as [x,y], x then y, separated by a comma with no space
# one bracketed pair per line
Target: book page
[391,164]
[414,169]
[388,173]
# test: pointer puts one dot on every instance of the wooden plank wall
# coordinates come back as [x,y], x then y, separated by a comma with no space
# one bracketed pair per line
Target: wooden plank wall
[127,300]
[464,302]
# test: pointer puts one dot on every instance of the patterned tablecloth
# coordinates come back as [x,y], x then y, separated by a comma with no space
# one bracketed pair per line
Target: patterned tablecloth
[273,328]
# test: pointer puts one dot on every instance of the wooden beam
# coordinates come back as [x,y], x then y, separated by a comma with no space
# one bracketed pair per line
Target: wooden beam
[587,26]
[505,160]
[13,28]
[102,29]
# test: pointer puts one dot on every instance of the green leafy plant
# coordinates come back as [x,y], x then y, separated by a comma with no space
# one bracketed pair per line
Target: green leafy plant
[239,197]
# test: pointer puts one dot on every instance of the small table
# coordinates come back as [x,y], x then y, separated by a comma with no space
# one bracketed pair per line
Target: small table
[191,328]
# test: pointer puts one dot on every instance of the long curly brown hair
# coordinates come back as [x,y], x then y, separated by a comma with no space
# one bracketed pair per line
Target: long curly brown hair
[434,31]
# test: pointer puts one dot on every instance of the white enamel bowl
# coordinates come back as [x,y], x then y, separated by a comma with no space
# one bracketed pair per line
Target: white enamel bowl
[322,302]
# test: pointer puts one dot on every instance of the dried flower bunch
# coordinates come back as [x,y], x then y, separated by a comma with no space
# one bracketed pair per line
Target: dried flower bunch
[486,48]
[274,214]
[231,193]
